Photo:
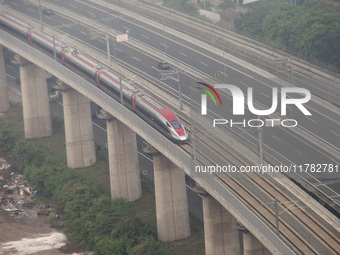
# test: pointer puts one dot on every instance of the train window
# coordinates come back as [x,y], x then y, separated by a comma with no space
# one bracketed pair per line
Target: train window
[74,51]
[176,124]
[168,124]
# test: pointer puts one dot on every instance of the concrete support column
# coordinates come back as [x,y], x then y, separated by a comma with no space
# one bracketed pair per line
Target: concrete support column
[35,103]
[252,246]
[4,101]
[123,160]
[80,148]
[220,233]
[171,200]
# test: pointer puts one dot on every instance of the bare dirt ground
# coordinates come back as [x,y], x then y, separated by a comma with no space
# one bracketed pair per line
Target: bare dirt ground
[11,230]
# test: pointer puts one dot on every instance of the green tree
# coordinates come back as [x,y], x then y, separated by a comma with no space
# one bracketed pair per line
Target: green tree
[278,24]
[42,177]
[108,246]
[226,4]
[7,140]
[181,5]
[76,197]
[150,247]
[131,227]
[26,153]
[307,29]
[252,22]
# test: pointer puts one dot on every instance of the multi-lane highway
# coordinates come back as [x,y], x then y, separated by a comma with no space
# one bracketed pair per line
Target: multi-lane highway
[282,143]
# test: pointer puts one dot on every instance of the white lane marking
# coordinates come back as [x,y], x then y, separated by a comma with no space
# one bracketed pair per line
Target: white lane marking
[10,66]
[244,84]
[156,69]
[145,156]
[74,6]
[118,50]
[324,115]
[298,151]
[264,95]
[136,58]
[334,133]
[82,32]
[127,28]
[14,3]
[48,17]
[146,36]
[99,126]
[10,76]
[90,12]
[101,40]
[276,138]
[30,9]
[164,45]
[183,53]
[224,74]
[203,63]
[311,120]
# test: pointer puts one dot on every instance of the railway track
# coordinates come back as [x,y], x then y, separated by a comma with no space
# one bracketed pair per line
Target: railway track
[302,239]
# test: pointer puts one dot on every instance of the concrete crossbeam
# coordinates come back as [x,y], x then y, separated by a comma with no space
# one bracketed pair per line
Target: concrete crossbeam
[123,161]
[221,235]
[171,200]
[4,101]
[80,148]
[35,103]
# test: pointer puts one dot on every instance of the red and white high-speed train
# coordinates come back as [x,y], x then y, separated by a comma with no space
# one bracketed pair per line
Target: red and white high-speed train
[151,110]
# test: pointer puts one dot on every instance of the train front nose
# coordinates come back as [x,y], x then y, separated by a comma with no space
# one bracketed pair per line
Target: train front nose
[182,134]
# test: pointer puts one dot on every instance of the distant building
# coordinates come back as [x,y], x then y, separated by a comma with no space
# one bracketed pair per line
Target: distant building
[227,17]
[214,17]
[243,2]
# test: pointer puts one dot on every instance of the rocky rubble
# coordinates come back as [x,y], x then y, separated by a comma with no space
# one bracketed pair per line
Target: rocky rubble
[17,196]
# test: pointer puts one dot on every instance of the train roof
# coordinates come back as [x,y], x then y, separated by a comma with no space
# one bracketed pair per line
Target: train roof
[159,107]
[49,37]
[15,20]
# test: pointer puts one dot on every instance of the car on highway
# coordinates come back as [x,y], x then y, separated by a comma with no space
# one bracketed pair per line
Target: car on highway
[48,11]
[163,65]
[53,95]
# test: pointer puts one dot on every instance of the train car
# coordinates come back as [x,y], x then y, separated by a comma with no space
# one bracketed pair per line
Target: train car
[151,110]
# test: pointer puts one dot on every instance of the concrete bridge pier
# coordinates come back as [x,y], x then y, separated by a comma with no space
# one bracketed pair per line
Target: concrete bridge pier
[171,199]
[80,148]
[123,159]
[220,232]
[252,246]
[4,101]
[35,103]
